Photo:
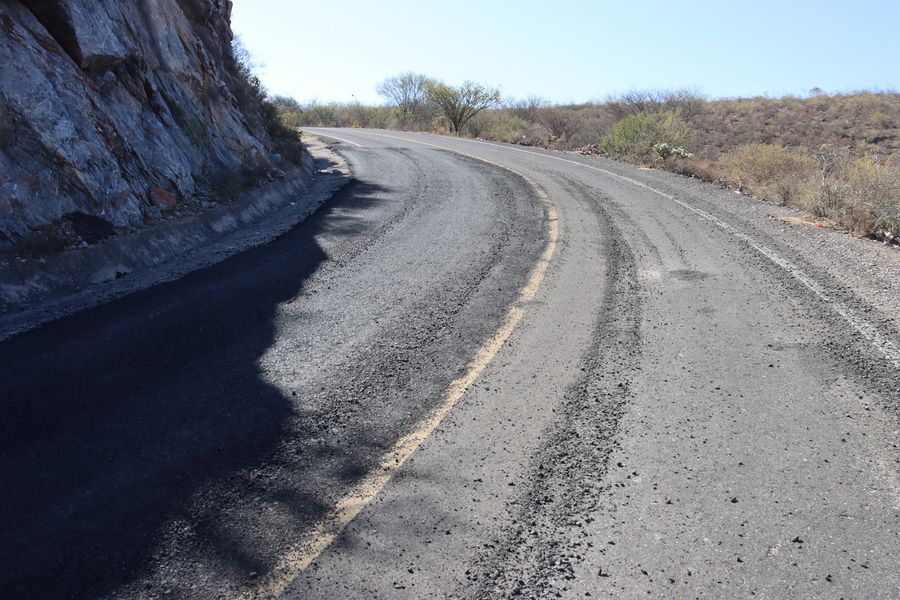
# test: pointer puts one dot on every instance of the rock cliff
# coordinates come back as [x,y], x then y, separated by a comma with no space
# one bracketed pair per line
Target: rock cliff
[118,109]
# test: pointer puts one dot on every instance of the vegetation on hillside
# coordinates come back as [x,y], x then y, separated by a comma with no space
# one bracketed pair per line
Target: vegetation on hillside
[836,156]
[254,99]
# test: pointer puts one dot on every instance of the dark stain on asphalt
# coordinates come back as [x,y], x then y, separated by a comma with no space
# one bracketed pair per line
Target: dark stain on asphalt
[688,274]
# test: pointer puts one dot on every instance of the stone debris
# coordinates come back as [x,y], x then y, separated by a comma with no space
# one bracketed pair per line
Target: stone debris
[590,150]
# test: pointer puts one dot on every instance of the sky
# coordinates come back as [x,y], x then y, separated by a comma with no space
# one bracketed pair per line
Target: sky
[575,51]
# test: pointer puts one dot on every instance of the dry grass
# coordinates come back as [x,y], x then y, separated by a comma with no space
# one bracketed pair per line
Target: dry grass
[770,171]
[862,195]
[866,122]
[701,168]
[794,220]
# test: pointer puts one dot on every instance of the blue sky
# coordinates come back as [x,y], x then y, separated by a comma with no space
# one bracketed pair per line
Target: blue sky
[573,51]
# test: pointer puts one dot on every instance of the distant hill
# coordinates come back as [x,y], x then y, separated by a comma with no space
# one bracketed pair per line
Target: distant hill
[866,123]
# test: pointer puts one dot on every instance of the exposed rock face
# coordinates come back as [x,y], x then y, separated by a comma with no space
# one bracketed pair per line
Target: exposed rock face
[109,106]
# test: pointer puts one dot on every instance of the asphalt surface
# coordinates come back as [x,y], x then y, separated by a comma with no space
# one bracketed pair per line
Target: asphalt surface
[688,407]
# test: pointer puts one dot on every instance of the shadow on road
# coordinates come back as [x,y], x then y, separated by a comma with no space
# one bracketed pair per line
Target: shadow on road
[113,419]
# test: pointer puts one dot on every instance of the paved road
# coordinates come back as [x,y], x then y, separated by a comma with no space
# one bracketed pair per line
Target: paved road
[567,379]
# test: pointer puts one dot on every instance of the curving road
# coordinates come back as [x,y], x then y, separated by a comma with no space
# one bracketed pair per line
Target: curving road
[481,371]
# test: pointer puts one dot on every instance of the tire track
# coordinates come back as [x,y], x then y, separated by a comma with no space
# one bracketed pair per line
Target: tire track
[538,554]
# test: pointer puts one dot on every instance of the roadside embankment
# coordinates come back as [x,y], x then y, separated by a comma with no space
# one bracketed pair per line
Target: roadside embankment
[33,291]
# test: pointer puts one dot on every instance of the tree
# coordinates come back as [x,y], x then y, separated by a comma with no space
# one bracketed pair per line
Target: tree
[460,104]
[688,101]
[527,109]
[286,104]
[406,91]
[561,122]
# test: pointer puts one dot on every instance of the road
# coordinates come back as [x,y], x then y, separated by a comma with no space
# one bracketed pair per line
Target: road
[480,371]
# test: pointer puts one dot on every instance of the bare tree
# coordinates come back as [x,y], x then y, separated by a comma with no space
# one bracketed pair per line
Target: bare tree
[561,122]
[527,109]
[687,101]
[320,114]
[460,104]
[286,104]
[406,91]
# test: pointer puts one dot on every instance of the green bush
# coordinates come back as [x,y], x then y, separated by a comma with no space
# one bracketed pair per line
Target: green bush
[634,137]
[665,151]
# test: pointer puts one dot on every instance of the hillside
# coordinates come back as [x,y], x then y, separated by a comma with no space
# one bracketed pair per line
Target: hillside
[865,122]
[113,113]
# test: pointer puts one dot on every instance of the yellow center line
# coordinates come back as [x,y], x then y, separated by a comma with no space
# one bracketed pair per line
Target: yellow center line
[324,532]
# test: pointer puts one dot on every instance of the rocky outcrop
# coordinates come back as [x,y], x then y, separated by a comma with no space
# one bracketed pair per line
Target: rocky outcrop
[119,109]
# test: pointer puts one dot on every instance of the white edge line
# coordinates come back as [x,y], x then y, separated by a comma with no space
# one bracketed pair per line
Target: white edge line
[334,137]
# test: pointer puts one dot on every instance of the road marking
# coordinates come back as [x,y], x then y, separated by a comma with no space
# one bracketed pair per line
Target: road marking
[885,346]
[334,137]
[323,534]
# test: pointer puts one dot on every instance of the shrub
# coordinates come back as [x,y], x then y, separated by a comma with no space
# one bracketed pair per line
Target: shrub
[665,151]
[291,119]
[324,115]
[527,109]
[863,196]
[259,108]
[247,89]
[770,171]
[562,123]
[840,120]
[687,102]
[504,126]
[630,137]
[881,120]
[634,136]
